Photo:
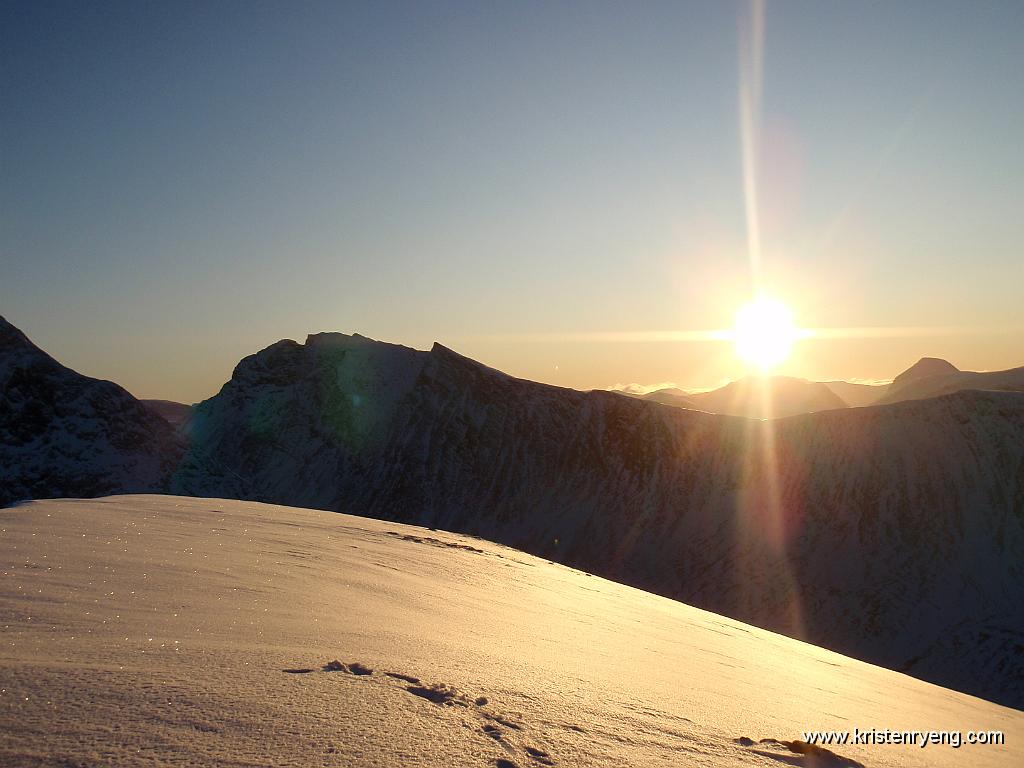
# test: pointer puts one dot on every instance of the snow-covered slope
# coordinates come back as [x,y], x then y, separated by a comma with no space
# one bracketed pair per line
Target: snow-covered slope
[64,434]
[670,396]
[301,422]
[941,378]
[174,413]
[768,397]
[162,631]
[857,395]
[894,534]
[925,368]
[755,397]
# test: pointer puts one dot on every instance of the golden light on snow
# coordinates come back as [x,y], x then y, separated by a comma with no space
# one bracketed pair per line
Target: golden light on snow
[764,333]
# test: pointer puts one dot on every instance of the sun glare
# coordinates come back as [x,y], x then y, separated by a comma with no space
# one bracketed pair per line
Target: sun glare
[764,333]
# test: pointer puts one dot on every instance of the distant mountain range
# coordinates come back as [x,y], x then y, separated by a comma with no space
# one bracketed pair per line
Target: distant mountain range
[780,396]
[892,533]
[755,397]
[175,413]
[938,377]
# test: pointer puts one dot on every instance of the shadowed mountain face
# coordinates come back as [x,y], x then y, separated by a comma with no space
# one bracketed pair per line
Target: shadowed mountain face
[769,397]
[309,421]
[857,395]
[924,368]
[671,396]
[754,397]
[930,377]
[64,434]
[174,413]
[895,534]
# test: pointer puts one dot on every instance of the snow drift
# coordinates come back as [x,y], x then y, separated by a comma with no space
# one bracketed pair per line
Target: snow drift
[147,630]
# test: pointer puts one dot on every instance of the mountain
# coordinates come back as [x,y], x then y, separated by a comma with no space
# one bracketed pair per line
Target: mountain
[64,434]
[766,397]
[857,395]
[755,397]
[891,533]
[175,413]
[225,633]
[940,378]
[309,421]
[924,368]
[894,534]
[670,396]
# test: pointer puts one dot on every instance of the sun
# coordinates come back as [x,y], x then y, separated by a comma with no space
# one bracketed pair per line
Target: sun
[764,333]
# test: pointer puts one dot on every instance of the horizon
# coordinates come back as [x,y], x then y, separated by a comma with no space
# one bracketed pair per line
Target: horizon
[512,384]
[632,388]
[577,197]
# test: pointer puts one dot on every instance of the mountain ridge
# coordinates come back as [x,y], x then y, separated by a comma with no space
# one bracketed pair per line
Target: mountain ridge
[862,530]
[937,384]
[65,434]
[683,503]
[923,369]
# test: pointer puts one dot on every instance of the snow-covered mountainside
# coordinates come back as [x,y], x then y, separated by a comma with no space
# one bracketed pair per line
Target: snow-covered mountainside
[768,397]
[755,397]
[302,420]
[64,434]
[925,368]
[857,395]
[941,378]
[894,534]
[175,413]
[163,631]
[670,396]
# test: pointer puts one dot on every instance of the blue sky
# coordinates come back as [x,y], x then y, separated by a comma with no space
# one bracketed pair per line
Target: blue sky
[183,184]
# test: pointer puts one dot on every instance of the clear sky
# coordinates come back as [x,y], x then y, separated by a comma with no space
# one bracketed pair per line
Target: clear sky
[183,184]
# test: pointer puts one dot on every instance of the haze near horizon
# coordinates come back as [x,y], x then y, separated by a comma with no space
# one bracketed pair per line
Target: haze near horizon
[580,196]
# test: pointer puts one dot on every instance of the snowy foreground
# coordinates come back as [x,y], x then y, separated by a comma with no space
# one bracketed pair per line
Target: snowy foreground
[157,630]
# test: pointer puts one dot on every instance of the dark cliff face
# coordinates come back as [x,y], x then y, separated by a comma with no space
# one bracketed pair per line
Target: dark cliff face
[891,533]
[67,435]
[300,424]
[175,414]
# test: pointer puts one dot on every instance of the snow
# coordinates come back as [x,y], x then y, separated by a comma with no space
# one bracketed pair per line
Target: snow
[64,434]
[893,534]
[156,630]
[941,378]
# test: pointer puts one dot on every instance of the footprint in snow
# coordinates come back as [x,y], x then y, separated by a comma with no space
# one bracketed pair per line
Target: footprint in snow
[406,678]
[539,755]
[444,694]
[353,668]
[810,755]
